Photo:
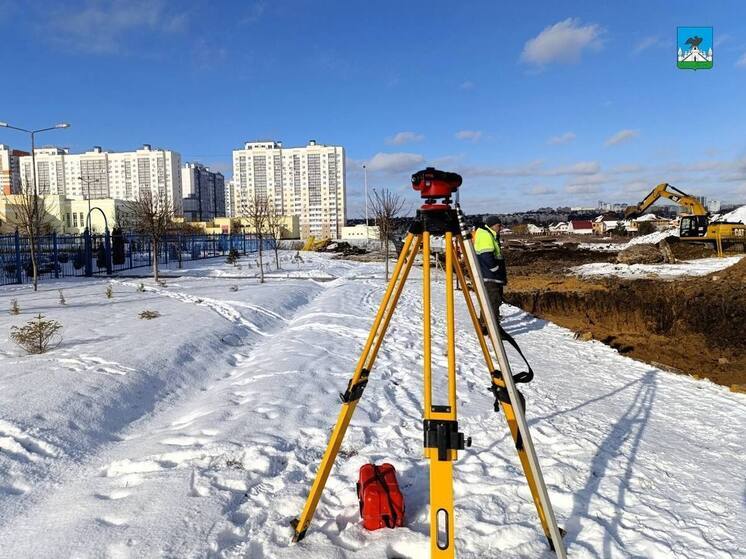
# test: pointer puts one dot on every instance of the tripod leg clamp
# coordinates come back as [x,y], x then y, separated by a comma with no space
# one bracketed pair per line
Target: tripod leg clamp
[502,395]
[355,391]
[443,434]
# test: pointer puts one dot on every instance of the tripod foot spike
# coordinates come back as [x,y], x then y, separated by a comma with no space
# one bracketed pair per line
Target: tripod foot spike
[298,536]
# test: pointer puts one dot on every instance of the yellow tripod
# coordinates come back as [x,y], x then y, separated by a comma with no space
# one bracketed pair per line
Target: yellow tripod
[442,440]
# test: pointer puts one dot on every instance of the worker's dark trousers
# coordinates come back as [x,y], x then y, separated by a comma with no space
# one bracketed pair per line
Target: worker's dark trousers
[495,298]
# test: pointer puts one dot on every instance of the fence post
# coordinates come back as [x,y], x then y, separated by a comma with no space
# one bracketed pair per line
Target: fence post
[55,256]
[107,250]
[165,245]
[88,254]
[243,236]
[129,244]
[19,277]
[179,248]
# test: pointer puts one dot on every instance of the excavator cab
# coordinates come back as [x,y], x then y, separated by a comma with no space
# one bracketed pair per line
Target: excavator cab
[693,226]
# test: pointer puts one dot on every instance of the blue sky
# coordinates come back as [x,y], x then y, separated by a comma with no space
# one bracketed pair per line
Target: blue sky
[535,103]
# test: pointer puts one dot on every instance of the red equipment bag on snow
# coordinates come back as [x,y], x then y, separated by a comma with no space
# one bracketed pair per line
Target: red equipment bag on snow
[381,501]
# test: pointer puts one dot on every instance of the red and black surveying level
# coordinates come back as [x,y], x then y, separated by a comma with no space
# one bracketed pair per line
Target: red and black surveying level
[442,439]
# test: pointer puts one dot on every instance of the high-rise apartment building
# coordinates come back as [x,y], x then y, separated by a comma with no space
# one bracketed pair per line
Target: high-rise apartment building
[10,173]
[305,181]
[231,209]
[103,174]
[203,192]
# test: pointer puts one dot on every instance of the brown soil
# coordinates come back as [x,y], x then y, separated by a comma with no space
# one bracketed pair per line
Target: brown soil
[693,325]
[529,260]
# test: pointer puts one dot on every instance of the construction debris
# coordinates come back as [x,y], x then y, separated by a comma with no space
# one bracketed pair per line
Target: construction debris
[342,248]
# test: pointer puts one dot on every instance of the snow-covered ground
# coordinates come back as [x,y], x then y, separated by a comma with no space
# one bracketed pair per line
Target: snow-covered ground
[700,267]
[736,216]
[652,238]
[196,434]
[602,247]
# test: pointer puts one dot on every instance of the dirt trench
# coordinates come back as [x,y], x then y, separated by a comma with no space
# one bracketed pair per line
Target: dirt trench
[694,325]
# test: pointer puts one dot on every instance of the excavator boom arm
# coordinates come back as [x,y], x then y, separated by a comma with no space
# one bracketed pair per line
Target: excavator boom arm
[665,190]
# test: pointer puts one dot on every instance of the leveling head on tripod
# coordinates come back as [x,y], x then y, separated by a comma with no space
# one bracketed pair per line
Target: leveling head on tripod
[434,184]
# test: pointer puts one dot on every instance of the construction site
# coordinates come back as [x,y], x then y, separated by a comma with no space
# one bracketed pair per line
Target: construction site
[688,324]
[648,300]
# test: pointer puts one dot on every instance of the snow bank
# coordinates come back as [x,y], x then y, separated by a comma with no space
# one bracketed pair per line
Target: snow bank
[653,238]
[700,267]
[736,216]
[602,247]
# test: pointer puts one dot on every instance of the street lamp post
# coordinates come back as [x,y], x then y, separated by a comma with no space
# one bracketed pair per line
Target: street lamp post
[365,180]
[32,226]
[88,182]
[33,134]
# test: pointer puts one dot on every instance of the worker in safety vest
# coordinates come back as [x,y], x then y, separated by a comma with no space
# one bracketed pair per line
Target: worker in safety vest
[491,261]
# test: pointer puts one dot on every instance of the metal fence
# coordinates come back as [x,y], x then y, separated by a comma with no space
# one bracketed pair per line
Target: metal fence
[59,256]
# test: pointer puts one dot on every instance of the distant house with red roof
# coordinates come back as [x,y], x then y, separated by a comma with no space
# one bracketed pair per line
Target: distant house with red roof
[581,227]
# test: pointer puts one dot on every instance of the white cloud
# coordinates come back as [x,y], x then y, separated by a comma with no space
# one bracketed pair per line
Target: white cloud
[532,169]
[637,186]
[401,138]
[565,138]
[563,42]
[741,62]
[582,188]
[621,136]
[395,162]
[469,135]
[101,27]
[646,43]
[540,190]
[579,168]
[624,169]
[467,85]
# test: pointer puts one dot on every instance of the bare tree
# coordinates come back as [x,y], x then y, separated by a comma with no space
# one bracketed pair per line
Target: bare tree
[29,213]
[275,221]
[385,205]
[256,210]
[152,215]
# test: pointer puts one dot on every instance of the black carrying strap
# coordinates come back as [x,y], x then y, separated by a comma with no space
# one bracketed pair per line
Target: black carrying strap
[382,481]
[501,393]
[524,376]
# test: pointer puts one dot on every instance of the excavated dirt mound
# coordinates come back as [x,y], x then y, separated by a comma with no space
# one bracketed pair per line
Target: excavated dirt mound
[640,254]
[523,260]
[690,251]
[694,325]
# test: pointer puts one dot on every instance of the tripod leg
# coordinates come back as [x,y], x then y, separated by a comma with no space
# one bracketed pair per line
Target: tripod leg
[441,436]
[358,382]
[512,408]
[506,406]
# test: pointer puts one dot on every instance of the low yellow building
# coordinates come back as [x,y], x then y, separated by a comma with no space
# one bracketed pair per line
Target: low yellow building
[63,215]
[289,226]
[361,232]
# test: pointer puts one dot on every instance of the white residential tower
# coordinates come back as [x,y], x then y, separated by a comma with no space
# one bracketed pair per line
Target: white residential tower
[308,182]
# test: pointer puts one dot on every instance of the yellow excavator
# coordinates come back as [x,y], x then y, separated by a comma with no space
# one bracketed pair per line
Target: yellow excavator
[314,244]
[695,224]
